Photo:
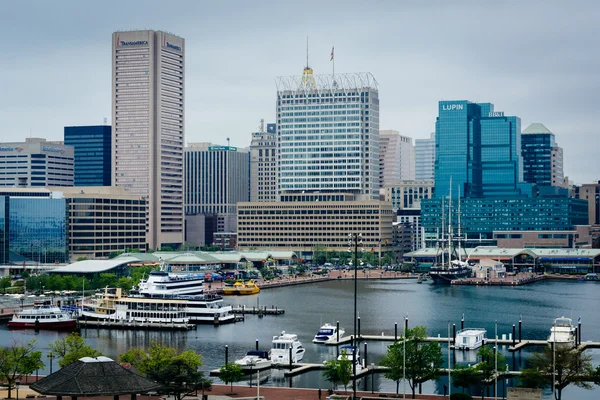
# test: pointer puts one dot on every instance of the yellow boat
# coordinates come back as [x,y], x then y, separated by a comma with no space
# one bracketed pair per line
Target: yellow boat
[241,288]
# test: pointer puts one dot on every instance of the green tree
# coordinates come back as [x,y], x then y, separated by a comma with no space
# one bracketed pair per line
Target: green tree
[125,283]
[569,365]
[71,349]
[17,361]
[82,258]
[230,373]
[423,359]
[176,371]
[487,365]
[465,377]
[339,370]
[319,254]
[5,283]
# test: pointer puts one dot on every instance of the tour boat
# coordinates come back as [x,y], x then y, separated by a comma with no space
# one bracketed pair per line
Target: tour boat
[562,331]
[255,360]
[164,283]
[240,288]
[328,332]
[280,353]
[199,309]
[43,315]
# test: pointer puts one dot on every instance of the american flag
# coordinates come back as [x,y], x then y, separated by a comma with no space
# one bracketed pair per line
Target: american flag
[332,48]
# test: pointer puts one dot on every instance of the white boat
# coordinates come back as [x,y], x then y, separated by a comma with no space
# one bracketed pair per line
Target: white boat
[328,332]
[111,305]
[562,331]
[160,283]
[470,338]
[43,315]
[349,352]
[280,353]
[255,360]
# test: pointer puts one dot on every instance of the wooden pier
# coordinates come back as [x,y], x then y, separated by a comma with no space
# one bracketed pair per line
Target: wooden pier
[258,310]
[131,325]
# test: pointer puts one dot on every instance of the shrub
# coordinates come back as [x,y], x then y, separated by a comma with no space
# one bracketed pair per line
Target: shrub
[461,396]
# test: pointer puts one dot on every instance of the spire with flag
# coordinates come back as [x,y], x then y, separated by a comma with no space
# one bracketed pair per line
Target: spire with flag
[332,50]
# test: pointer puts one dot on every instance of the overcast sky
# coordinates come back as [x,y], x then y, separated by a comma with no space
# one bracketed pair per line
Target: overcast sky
[538,60]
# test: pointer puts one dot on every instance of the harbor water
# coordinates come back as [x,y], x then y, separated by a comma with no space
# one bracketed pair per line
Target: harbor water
[381,303]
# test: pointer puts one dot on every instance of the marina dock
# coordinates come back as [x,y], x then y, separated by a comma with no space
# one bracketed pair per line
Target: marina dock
[258,310]
[132,325]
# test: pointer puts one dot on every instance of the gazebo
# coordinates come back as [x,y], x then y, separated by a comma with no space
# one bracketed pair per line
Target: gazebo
[88,377]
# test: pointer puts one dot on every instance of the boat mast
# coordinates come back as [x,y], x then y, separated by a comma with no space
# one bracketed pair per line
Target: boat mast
[443,233]
[459,230]
[450,225]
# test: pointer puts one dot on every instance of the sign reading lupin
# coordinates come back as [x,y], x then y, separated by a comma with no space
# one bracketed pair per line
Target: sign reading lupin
[452,107]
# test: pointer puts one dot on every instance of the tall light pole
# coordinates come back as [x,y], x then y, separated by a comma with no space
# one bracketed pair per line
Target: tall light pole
[496,364]
[354,240]
[449,364]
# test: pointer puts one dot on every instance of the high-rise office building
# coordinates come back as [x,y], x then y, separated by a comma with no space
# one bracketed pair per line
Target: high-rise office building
[216,179]
[148,127]
[36,163]
[328,134]
[92,146]
[263,164]
[425,158]
[478,151]
[590,192]
[396,158]
[542,157]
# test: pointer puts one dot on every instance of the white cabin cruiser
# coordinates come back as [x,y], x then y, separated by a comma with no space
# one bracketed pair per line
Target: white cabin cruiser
[255,360]
[160,283]
[328,332]
[349,352]
[562,331]
[470,338]
[282,344]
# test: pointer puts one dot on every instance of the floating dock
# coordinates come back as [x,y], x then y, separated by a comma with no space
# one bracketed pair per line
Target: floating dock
[258,310]
[131,325]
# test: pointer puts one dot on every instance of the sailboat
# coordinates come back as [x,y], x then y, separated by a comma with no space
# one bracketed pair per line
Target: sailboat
[443,273]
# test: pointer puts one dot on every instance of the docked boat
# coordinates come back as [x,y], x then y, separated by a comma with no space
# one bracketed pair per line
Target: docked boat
[444,274]
[43,315]
[348,352]
[328,332]
[470,338]
[199,309]
[282,344]
[241,288]
[562,331]
[255,360]
[164,283]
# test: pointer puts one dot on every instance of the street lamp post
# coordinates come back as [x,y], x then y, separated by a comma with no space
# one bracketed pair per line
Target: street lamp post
[372,377]
[50,356]
[17,383]
[354,240]
[252,363]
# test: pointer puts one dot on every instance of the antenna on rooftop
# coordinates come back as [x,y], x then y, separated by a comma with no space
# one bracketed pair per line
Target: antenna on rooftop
[227,142]
[307,52]
[105,120]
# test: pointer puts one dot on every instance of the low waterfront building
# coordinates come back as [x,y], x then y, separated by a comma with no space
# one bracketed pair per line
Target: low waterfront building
[580,236]
[98,220]
[301,222]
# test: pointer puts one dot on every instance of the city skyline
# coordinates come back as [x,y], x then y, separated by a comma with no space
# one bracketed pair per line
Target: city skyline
[420,53]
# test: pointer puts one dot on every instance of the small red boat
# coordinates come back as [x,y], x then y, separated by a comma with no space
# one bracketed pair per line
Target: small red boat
[43,315]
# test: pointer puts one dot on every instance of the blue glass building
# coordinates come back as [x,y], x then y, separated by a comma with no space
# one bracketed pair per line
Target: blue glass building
[4,229]
[479,150]
[542,157]
[479,153]
[92,154]
[37,229]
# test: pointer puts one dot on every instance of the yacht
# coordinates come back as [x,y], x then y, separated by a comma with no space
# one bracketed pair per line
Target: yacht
[255,360]
[349,352]
[164,283]
[43,315]
[280,353]
[328,332]
[562,331]
[240,288]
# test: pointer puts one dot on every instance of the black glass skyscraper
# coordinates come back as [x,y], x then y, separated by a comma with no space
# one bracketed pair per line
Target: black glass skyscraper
[92,154]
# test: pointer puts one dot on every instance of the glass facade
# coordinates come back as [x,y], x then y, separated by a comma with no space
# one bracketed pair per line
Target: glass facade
[39,229]
[537,158]
[478,150]
[425,158]
[481,216]
[4,229]
[92,154]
